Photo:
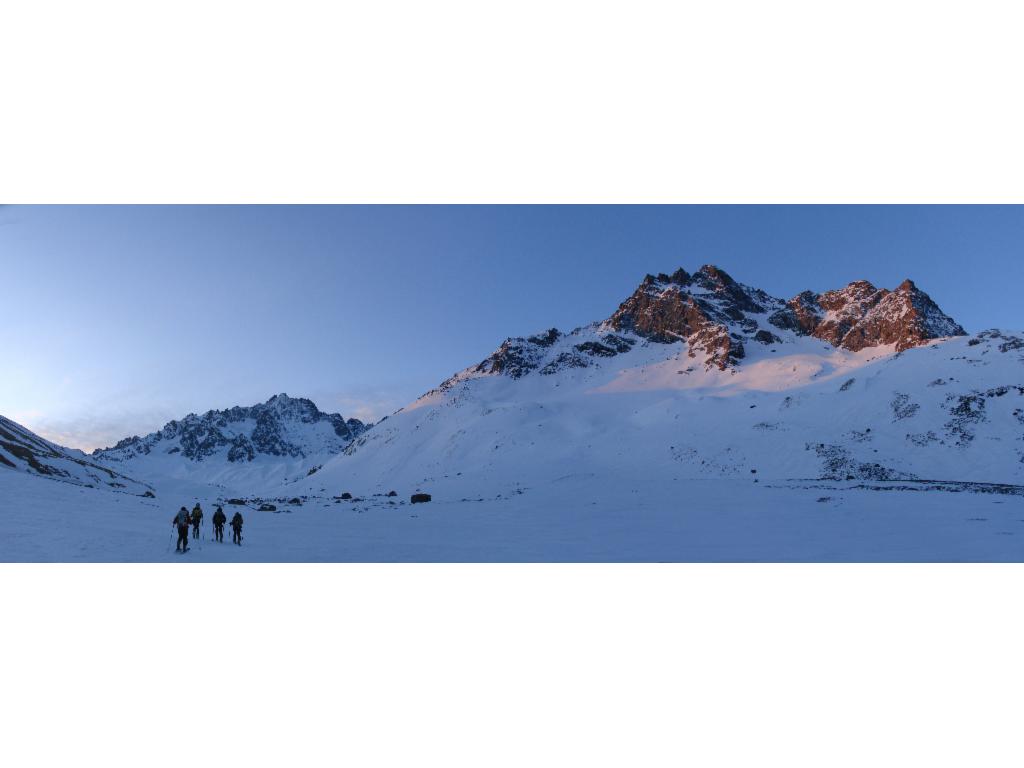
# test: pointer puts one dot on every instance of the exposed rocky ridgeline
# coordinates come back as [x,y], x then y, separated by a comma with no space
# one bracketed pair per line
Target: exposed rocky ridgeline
[21,449]
[281,427]
[708,310]
[717,318]
[861,315]
[517,357]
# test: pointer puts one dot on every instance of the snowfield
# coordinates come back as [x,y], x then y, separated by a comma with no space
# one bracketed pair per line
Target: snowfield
[685,521]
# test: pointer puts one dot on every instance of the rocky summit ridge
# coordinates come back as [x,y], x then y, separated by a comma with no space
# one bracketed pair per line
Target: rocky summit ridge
[717,318]
[861,315]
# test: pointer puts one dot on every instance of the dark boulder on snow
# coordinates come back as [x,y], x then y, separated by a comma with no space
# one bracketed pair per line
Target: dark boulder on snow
[237,502]
[392,493]
[766,337]
[268,508]
[421,498]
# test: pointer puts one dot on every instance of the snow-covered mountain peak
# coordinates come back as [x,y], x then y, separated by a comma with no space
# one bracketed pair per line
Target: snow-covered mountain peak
[298,409]
[280,438]
[650,416]
[725,326]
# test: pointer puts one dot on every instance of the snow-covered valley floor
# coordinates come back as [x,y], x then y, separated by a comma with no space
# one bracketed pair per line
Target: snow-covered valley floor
[575,520]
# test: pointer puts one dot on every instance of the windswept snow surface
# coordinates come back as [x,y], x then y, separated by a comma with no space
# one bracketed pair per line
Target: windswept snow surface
[584,519]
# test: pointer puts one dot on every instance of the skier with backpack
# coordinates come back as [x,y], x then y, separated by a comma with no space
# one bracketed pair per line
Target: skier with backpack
[219,518]
[236,527]
[197,518]
[181,520]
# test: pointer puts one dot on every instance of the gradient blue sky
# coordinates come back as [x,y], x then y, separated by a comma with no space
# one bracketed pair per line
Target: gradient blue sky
[119,318]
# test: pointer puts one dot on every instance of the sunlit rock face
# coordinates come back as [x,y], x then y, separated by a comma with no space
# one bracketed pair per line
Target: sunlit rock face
[717,318]
[697,310]
[861,315]
[715,314]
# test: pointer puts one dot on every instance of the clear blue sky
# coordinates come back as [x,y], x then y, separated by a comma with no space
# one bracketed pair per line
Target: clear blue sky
[117,319]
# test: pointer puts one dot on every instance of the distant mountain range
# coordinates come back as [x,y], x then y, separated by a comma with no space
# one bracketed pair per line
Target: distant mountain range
[282,427]
[262,445]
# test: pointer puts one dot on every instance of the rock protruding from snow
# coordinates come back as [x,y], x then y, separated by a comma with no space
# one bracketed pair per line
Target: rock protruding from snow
[708,310]
[281,427]
[518,356]
[861,315]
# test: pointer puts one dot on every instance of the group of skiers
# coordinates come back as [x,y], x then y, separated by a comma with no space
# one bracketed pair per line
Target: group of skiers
[184,519]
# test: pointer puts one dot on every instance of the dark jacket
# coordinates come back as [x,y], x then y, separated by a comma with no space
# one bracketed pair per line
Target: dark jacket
[219,518]
[236,521]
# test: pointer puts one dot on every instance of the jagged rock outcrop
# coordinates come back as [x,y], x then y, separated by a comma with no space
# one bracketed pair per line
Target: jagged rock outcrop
[802,314]
[518,356]
[700,309]
[283,427]
[861,315]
